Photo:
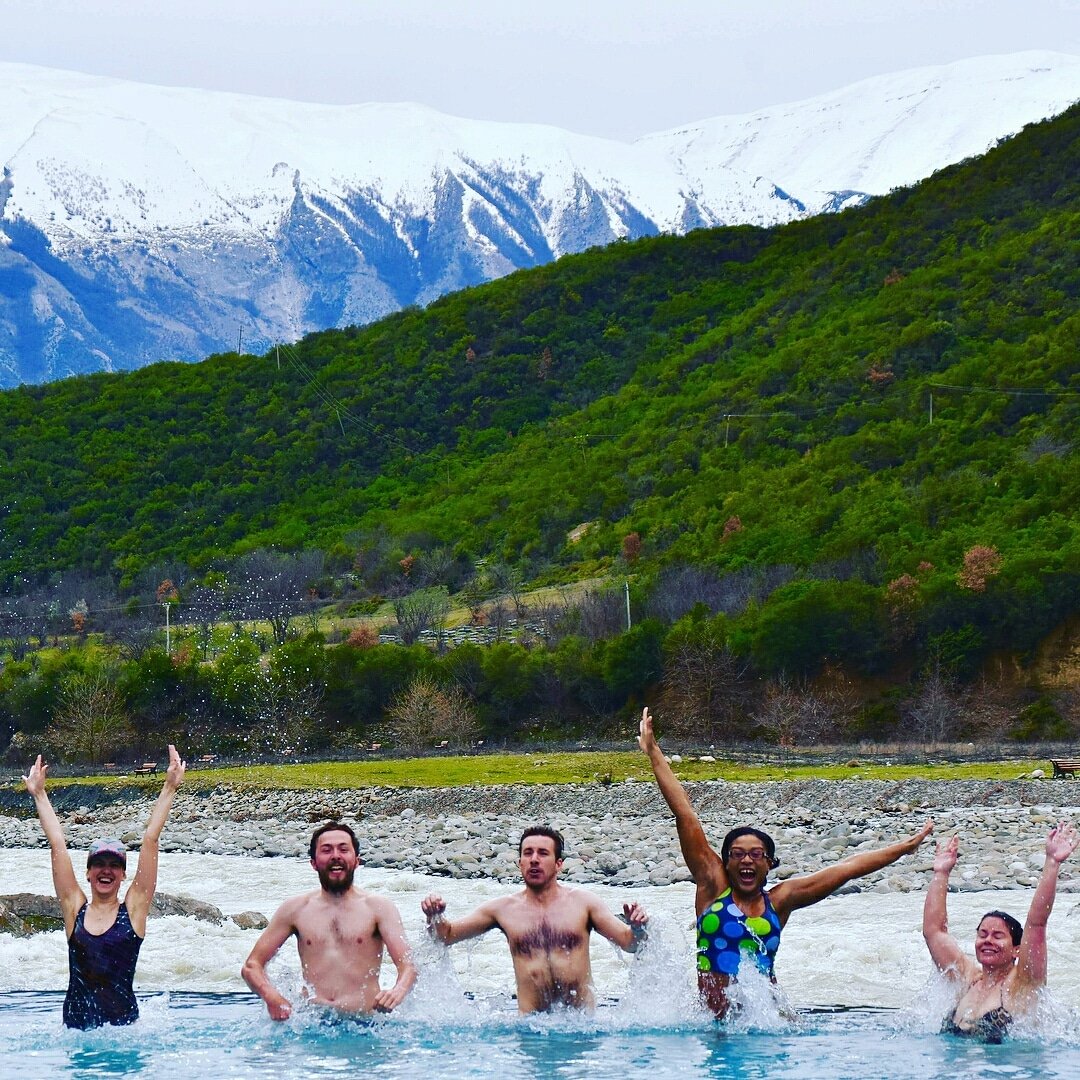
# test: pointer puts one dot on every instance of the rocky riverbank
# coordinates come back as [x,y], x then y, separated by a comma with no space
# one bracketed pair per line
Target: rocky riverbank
[620,834]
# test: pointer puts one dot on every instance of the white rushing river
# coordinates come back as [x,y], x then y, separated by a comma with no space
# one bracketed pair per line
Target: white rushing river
[863,949]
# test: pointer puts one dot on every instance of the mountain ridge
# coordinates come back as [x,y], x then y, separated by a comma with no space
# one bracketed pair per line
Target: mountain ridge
[127,236]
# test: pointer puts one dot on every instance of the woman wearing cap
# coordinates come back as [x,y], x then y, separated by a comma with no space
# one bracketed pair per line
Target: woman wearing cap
[737,918]
[1010,961]
[105,933]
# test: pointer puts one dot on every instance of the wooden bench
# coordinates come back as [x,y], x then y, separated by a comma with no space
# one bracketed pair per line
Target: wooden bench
[147,768]
[109,766]
[1065,767]
[207,759]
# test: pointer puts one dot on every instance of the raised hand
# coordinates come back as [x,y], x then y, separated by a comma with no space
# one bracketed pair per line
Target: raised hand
[946,855]
[646,738]
[35,779]
[1060,844]
[177,768]
[912,843]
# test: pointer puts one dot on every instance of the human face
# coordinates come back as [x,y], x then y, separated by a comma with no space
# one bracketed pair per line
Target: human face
[537,861]
[105,874]
[748,863]
[993,943]
[335,861]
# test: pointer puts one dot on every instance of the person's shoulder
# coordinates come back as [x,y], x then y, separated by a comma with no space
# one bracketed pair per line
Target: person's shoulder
[293,906]
[381,905]
[572,894]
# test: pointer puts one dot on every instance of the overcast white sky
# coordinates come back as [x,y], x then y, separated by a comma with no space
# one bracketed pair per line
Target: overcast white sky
[618,68]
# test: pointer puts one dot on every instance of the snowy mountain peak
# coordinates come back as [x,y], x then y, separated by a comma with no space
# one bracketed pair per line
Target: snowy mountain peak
[140,223]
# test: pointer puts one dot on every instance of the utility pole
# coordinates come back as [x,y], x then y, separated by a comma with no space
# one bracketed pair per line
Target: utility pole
[627,584]
[168,650]
[277,353]
[240,340]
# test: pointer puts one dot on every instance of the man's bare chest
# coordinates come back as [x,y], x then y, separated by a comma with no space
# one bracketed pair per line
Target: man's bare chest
[544,937]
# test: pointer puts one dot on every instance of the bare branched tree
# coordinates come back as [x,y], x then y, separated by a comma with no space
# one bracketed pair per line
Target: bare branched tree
[90,720]
[499,617]
[933,712]
[424,609]
[551,616]
[282,714]
[798,714]
[427,714]
[705,694]
[597,614]
[202,607]
[270,586]
[506,581]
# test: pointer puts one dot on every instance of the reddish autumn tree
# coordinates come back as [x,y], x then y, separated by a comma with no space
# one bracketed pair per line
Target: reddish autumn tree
[166,592]
[732,526]
[363,637]
[980,564]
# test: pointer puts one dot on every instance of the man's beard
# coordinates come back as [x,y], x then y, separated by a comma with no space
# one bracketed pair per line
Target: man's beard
[336,885]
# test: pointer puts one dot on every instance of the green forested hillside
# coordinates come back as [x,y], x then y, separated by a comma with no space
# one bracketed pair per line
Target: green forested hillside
[736,397]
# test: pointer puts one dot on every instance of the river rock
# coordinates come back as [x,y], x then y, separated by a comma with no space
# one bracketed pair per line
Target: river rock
[250,920]
[10,923]
[165,904]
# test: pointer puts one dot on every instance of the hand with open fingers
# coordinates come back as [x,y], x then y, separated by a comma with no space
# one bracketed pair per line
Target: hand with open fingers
[946,855]
[1062,842]
[35,778]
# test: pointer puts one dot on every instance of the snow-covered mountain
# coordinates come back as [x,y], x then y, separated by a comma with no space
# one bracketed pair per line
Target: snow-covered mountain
[140,223]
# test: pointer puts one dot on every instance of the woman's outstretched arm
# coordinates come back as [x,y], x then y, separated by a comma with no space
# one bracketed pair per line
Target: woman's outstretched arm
[141,893]
[944,949]
[702,861]
[1031,959]
[800,892]
[65,884]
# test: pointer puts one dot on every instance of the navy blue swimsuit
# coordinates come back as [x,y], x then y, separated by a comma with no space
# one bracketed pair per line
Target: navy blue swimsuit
[101,975]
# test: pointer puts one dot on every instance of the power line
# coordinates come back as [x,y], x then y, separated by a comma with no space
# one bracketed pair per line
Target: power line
[336,405]
[1015,391]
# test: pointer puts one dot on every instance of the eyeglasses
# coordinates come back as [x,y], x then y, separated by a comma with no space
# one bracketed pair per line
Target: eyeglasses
[755,853]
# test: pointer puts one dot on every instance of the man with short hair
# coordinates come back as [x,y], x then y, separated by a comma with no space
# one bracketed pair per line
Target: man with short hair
[547,927]
[341,931]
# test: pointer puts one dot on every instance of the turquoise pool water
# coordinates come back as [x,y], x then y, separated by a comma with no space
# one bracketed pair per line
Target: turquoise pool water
[229,1035]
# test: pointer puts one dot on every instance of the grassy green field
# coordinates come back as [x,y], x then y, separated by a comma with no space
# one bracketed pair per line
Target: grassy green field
[552,768]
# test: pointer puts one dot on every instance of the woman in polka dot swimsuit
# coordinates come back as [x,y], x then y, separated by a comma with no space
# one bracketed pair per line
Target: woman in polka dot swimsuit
[736,915]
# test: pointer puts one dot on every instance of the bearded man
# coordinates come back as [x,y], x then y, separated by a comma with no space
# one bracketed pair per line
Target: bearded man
[341,933]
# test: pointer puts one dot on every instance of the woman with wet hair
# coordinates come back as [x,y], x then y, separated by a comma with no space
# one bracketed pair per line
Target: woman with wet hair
[738,919]
[1010,961]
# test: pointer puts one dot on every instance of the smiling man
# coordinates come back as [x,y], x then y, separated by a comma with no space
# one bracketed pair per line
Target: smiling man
[341,932]
[547,927]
